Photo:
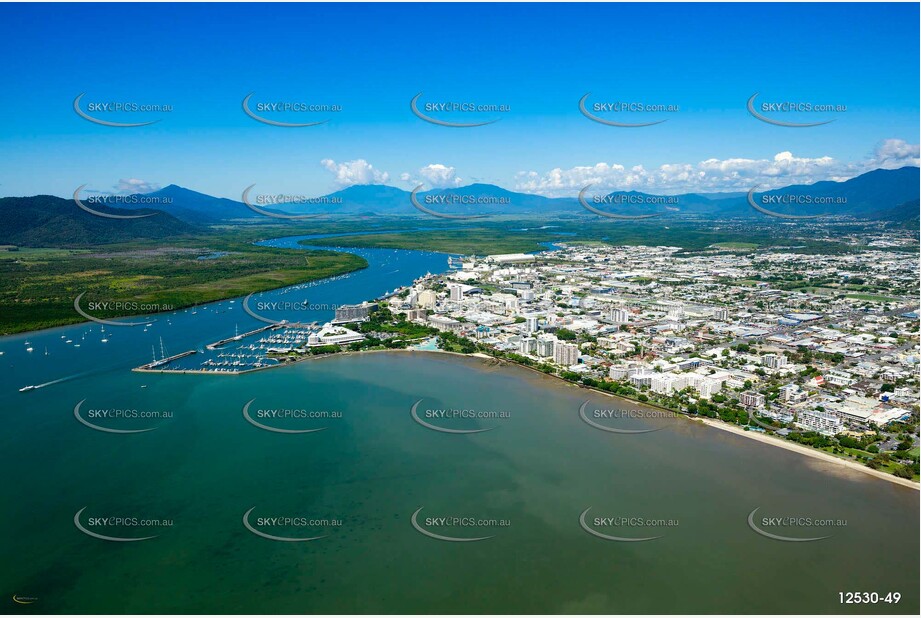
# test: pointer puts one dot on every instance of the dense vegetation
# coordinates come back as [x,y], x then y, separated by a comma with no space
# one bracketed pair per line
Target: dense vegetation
[38,286]
[48,221]
[500,235]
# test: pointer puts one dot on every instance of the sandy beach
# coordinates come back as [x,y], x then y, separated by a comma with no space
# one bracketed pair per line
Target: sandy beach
[809,452]
[754,435]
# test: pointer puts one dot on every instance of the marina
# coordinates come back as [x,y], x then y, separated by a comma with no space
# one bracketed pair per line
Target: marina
[221,465]
[249,355]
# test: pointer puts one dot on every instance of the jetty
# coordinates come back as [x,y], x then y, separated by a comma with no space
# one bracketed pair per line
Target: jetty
[153,365]
[238,337]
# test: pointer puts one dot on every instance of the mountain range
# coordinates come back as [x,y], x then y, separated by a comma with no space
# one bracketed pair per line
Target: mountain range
[879,194]
[44,220]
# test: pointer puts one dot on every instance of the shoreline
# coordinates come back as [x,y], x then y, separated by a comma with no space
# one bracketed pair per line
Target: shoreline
[77,321]
[809,452]
[718,424]
[763,438]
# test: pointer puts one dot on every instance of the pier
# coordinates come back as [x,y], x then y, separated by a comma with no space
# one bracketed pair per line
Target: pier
[152,366]
[218,344]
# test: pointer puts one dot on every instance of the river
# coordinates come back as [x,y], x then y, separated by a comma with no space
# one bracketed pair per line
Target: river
[208,485]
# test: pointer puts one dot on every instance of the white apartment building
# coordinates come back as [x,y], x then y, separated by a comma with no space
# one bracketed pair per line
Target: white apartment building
[825,423]
[545,346]
[527,345]
[619,316]
[642,378]
[426,299]
[669,382]
[751,399]
[839,378]
[565,354]
[791,392]
[774,361]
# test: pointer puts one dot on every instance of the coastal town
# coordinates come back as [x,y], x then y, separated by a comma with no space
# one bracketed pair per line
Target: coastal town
[820,349]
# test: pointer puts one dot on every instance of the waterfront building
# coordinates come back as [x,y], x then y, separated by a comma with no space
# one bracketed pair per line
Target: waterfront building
[426,299]
[333,335]
[527,345]
[444,323]
[565,354]
[750,399]
[826,423]
[545,346]
[642,378]
[353,313]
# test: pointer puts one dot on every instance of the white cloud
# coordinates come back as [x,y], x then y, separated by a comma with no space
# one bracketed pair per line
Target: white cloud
[434,175]
[896,153]
[714,175]
[357,172]
[130,186]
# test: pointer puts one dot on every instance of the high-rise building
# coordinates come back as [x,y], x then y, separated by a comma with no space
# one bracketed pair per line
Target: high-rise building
[721,314]
[565,354]
[545,347]
[706,387]
[774,361]
[751,399]
[457,292]
[620,316]
[530,324]
[527,345]
[353,313]
[426,299]
[619,372]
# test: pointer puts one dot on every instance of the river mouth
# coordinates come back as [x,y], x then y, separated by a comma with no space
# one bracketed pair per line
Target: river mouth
[334,450]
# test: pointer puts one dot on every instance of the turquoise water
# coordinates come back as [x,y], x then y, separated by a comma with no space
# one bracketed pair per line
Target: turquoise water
[359,478]
[429,345]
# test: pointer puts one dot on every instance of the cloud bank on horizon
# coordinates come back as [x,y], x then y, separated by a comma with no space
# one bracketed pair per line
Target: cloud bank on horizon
[708,176]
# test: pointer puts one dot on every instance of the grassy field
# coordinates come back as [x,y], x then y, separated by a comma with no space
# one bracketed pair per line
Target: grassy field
[873,297]
[38,286]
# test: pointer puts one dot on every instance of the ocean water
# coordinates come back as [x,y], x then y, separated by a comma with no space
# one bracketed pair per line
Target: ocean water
[369,465]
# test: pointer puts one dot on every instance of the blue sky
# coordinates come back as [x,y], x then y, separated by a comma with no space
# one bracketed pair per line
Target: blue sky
[539,60]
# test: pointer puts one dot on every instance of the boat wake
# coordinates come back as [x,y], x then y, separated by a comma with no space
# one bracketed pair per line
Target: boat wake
[58,381]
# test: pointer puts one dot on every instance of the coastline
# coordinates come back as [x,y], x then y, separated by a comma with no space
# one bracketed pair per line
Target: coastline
[809,452]
[718,424]
[77,320]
